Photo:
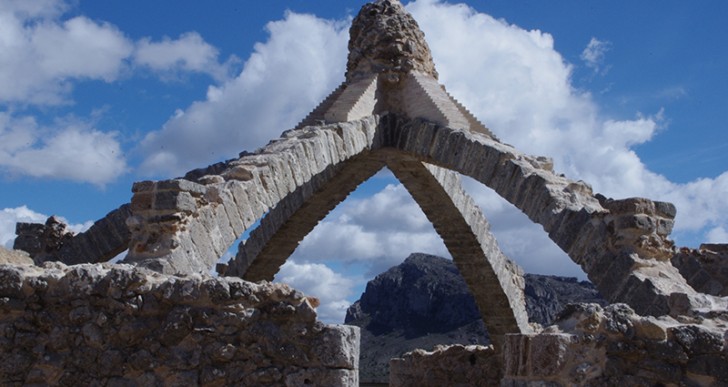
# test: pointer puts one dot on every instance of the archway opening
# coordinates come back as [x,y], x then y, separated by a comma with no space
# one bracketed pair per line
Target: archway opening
[374,229]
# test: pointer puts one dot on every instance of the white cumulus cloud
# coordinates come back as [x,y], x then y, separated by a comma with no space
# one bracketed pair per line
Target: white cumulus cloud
[718,235]
[188,53]
[380,231]
[520,86]
[71,150]
[284,78]
[43,54]
[319,281]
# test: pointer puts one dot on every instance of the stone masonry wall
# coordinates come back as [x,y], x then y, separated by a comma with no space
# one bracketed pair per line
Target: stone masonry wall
[616,347]
[588,346]
[117,325]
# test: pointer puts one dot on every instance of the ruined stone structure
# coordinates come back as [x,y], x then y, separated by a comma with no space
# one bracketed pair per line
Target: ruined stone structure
[117,325]
[391,111]
[588,346]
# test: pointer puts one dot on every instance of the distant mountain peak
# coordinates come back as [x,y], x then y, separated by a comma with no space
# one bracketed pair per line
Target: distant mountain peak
[424,301]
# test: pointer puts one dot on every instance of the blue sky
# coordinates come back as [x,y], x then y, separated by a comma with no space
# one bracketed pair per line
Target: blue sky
[631,97]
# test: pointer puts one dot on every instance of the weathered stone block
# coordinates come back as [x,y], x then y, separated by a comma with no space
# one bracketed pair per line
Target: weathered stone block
[181,185]
[142,186]
[174,201]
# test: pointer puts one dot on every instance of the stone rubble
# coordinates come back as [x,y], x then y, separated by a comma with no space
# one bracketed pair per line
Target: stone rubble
[14,257]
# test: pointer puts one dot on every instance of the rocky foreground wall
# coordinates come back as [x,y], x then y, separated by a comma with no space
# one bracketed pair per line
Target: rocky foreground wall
[588,346]
[117,325]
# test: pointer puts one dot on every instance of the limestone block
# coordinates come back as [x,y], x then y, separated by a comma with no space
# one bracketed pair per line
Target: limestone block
[180,185]
[238,172]
[221,194]
[14,257]
[143,186]
[339,347]
[174,201]
[142,201]
[203,241]
[356,101]
[242,202]
[218,227]
[650,329]
[705,269]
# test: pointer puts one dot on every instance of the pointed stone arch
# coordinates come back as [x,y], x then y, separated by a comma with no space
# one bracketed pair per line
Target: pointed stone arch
[621,245]
[175,221]
[496,282]
[391,102]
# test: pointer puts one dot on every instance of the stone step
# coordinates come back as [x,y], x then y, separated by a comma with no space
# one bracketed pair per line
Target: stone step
[356,101]
[317,114]
[475,124]
[447,113]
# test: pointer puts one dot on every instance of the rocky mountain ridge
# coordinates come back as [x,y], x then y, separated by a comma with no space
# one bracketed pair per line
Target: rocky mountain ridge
[424,302]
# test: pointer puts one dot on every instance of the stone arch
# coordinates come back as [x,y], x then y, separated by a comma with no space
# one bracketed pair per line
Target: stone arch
[622,245]
[280,231]
[495,282]
[182,226]
[175,223]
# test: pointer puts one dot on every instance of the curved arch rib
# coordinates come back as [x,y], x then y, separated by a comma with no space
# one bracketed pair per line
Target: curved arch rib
[620,244]
[495,282]
[282,229]
[180,226]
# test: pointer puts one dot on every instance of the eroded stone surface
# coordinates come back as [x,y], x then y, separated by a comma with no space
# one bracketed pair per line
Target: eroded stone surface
[52,241]
[384,38]
[588,346]
[705,269]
